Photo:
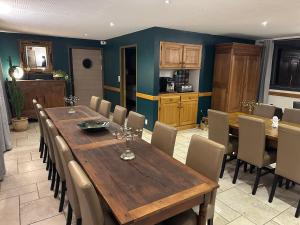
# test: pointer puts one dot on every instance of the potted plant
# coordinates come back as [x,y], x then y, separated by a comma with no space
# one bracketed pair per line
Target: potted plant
[60,75]
[16,99]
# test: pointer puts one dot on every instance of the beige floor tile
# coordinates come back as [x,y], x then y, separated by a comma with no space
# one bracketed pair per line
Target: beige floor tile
[44,189]
[18,191]
[287,217]
[56,220]
[9,211]
[31,166]
[272,223]
[38,210]
[241,221]
[35,155]
[28,197]
[219,220]
[11,167]
[225,211]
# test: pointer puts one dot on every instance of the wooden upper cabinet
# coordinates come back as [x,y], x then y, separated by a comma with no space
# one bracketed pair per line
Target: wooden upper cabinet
[171,55]
[179,56]
[192,56]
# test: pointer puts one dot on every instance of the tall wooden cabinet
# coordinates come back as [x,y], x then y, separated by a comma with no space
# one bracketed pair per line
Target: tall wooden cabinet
[236,75]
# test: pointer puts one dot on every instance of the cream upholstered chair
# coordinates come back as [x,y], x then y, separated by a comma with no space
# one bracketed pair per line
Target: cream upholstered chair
[205,156]
[218,131]
[90,205]
[291,115]
[38,108]
[58,167]
[135,121]
[104,108]
[43,118]
[288,157]
[264,110]
[66,156]
[119,115]
[94,103]
[164,137]
[252,147]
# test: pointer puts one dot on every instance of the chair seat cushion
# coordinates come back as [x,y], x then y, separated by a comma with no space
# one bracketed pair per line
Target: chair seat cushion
[269,157]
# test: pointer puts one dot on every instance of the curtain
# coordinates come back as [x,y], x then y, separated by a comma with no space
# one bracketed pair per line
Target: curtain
[5,140]
[266,69]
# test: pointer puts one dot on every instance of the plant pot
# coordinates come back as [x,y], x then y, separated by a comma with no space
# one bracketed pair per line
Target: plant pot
[20,124]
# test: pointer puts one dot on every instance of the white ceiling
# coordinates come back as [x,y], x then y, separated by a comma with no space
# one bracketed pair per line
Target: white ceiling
[74,18]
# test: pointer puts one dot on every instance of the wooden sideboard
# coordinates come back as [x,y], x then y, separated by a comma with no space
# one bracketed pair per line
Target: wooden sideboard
[49,93]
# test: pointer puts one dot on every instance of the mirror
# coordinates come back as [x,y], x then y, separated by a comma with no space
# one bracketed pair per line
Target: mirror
[36,56]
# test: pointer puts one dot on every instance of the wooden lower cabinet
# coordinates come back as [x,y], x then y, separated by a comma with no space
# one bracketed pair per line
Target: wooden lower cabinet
[179,110]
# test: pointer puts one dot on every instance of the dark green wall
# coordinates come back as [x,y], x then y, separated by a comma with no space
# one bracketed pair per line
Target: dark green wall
[9,46]
[148,49]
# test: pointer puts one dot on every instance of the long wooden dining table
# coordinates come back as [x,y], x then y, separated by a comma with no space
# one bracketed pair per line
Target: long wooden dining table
[146,190]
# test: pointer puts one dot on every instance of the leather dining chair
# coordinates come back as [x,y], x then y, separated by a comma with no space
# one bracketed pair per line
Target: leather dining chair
[252,148]
[264,110]
[164,137]
[104,108]
[136,121]
[90,205]
[291,115]
[94,103]
[288,157]
[218,131]
[43,118]
[58,170]
[38,108]
[66,156]
[210,167]
[119,115]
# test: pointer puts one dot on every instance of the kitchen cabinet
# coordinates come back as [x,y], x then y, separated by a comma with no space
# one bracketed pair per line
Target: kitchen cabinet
[180,56]
[236,76]
[48,93]
[179,110]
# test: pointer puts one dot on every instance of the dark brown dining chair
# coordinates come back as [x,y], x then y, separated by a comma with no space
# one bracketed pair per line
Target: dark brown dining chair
[90,205]
[288,158]
[252,148]
[135,121]
[210,167]
[291,115]
[264,110]
[104,108]
[218,131]
[38,108]
[58,170]
[66,156]
[119,115]
[164,137]
[94,103]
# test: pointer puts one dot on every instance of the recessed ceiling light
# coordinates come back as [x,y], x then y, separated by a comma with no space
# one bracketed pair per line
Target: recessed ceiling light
[111,24]
[4,8]
[85,35]
[167,1]
[265,23]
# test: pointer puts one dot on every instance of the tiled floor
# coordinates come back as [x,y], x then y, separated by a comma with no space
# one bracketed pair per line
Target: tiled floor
[25,197]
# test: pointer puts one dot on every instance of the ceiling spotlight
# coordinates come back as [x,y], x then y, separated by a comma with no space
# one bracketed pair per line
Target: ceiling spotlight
[85,35]
[265,23]
[167,1]
[4,8]
[111,24]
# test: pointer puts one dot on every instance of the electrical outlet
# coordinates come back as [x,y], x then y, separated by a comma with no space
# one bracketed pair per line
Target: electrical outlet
[146,122]
[119,79]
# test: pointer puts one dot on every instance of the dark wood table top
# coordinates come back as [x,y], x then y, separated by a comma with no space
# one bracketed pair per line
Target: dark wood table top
[146,190]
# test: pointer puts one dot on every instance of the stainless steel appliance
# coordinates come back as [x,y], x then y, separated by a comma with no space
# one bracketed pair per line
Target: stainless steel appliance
[181,78]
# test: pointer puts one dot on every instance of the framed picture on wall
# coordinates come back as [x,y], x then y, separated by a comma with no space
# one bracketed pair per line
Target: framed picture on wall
[36,56]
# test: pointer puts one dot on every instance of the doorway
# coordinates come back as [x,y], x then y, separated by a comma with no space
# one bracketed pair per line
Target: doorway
[128,77]
[87,74]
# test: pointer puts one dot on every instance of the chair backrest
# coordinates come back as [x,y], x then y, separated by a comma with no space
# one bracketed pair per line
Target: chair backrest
[296,105]
[264,110]
[251,140]
[104,108]
[291,115]
[43,118]
[206,156]
[135,121]
[218,129]
[39,108]
[51,147]
[119,115]
[94,103]
[58,163]
[288,152]
[91,209]
[66,156]
[164,137]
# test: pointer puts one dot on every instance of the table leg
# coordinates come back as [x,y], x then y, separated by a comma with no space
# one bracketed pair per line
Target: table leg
[203,210]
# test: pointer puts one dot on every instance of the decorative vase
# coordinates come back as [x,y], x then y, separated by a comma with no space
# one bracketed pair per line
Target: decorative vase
[20,124]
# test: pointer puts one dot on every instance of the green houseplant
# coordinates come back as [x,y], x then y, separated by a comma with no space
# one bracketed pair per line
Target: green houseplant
[17,99]
[60,75]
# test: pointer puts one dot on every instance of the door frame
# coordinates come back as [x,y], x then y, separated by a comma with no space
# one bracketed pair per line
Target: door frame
[71,72]
[123,75]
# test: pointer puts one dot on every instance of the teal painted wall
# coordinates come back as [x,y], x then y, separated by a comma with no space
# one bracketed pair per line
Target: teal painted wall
[148,50]
[9,46]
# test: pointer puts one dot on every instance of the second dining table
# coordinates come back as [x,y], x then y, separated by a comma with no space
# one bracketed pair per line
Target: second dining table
[147,190]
